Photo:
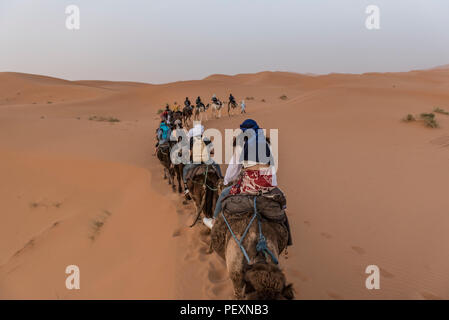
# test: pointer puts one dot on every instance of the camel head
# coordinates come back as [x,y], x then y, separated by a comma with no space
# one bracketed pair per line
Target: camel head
[265,281]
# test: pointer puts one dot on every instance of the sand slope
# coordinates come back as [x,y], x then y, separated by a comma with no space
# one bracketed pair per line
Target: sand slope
[362,186]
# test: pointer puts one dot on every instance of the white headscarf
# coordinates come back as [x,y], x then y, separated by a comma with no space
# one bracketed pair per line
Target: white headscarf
[196,131]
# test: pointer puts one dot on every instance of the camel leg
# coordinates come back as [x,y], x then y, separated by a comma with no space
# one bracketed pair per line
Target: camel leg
[165,174]
[179,176]
[172,177]
[238,284]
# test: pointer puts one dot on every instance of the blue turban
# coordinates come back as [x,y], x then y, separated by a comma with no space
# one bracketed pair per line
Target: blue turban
[255,143]
[249,124]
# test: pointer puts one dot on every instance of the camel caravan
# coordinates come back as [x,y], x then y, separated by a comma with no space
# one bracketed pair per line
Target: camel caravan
[199,110]
[244,210]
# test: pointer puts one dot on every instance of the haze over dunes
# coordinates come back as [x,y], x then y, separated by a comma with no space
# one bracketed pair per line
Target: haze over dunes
[362,186]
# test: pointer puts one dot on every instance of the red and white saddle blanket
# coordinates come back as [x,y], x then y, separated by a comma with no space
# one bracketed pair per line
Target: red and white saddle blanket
[254,182]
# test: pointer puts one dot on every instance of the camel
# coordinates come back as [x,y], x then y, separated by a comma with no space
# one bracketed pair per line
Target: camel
[163,154]
[261,279]
[187,113]
[170,170]
[231,106]
[200,109]
[205,186]
[216,109]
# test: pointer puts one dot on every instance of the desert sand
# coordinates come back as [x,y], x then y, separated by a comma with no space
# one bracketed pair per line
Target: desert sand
[363,187]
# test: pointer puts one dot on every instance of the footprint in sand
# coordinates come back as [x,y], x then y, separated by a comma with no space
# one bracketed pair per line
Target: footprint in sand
[216,275]
[216,290]
[177,233]
[298,274]
[180,211]
[359,250]
[307,223]
[334,295]
[188,257]
[326,235]
[45,204]
[430,296]
[386,274]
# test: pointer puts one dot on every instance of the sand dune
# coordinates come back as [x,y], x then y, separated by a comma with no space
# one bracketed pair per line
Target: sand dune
[363,187]
[443,67]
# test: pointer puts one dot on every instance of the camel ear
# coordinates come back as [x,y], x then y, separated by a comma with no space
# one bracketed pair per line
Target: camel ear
[288,292]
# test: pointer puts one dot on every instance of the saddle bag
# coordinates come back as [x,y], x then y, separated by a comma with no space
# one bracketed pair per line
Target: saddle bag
[270,205]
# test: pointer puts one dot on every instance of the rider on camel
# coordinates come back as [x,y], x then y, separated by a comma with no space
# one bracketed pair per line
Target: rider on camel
[199,102]
[214,99]
[231,99]
[165,115]
[195,136]
[163,133]
[250,167]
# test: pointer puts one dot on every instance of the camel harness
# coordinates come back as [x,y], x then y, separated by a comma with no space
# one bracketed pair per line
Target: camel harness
[261,244]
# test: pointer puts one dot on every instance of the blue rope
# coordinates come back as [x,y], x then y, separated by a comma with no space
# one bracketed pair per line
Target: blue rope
[261,244]
[205,180]
[239,242]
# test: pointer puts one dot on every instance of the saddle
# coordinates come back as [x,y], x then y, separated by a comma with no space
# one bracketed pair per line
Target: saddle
[270,205]
[200,169]
[238,210]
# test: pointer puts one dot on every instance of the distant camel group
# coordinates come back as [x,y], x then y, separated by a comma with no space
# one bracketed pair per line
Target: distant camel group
[198,112]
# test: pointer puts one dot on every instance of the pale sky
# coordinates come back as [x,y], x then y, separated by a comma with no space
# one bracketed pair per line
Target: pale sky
[160,41]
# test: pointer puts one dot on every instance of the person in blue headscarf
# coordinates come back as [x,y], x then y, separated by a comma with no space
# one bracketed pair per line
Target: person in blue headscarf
[163,133]
[252,166]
